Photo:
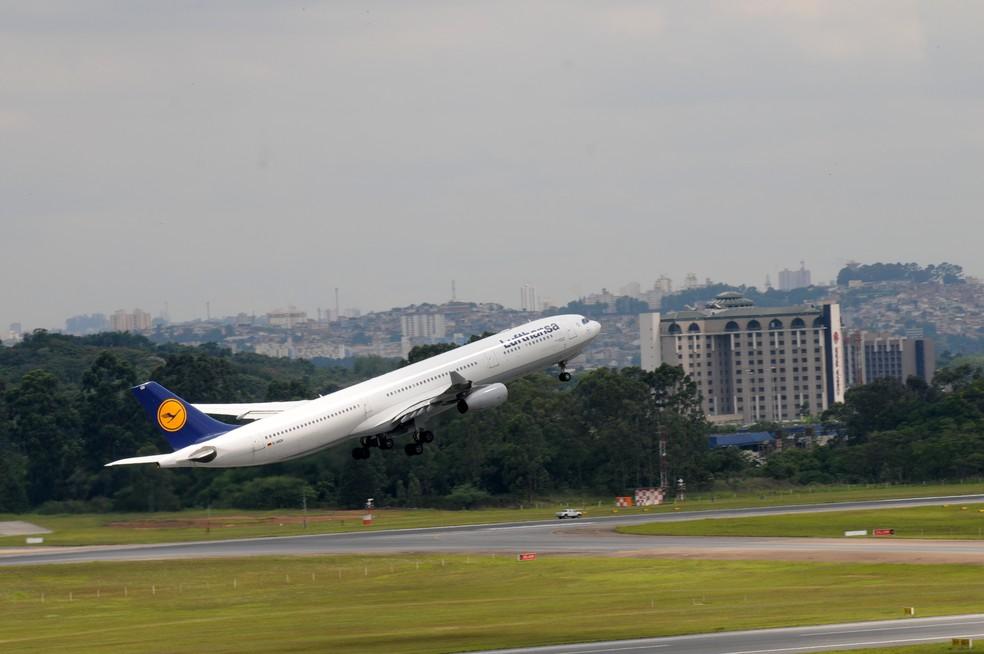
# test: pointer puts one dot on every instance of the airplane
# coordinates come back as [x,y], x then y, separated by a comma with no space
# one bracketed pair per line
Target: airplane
[469,378]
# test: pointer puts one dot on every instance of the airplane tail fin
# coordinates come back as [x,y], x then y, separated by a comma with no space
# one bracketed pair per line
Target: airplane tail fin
[180,423]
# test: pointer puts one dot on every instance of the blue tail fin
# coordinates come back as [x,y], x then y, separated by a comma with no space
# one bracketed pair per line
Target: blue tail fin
[180,423]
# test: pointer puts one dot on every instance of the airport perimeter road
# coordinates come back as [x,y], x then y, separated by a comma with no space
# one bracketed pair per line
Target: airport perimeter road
[584,536]
[855,635]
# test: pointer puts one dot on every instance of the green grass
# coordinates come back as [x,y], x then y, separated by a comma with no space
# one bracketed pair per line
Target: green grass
[437,604]
[957,521]
[121,529]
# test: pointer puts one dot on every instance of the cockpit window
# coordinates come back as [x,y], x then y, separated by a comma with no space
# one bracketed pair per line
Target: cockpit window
[584,321]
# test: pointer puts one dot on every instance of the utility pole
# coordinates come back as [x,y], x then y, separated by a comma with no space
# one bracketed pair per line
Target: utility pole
[664,465]
[304,505]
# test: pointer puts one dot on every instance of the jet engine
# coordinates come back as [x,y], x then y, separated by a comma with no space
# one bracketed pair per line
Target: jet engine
[484,397]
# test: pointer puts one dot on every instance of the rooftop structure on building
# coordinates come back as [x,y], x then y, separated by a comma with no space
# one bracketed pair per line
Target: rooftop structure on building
[751,363]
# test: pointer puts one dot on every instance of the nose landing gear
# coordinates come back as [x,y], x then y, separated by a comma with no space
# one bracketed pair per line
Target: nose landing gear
[565,373]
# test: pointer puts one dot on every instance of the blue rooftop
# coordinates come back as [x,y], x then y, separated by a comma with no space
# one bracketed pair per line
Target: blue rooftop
[740,439]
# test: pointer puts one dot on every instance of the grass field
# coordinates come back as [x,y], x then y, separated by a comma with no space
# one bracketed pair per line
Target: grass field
[436,604]
[119,529]
[956,521]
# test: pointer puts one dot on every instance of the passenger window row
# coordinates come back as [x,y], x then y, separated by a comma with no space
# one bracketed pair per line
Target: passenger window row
[429,380]
[347,409]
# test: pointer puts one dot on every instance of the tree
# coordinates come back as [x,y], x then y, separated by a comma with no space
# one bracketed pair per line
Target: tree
[883,404]
[113,426]
[45,430]
[199,377]
[13,467]
[420,352]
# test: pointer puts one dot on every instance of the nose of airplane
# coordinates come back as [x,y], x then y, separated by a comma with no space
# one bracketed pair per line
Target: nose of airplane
[594,328]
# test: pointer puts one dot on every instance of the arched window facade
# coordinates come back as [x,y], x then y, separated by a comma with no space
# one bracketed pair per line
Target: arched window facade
[675,329]
[775,323]
[694,328]
[818,323]
[797,323]
[732,326]
[754,326]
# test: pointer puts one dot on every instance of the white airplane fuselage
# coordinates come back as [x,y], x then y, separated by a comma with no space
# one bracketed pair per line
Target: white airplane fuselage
[370,408]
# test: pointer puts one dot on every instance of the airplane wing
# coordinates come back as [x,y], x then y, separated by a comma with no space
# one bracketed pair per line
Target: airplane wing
[249,411]
[421,407]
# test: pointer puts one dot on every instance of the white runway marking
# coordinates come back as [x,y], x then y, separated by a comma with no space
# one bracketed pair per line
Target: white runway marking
[866,643]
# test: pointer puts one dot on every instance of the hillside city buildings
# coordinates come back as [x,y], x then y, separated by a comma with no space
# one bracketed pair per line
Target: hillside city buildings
[890,329]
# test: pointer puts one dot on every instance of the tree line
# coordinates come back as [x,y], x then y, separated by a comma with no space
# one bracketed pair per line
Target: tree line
[66,410]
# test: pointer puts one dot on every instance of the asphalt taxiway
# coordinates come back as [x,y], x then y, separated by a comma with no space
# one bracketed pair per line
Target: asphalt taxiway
[855,635]
[584,536]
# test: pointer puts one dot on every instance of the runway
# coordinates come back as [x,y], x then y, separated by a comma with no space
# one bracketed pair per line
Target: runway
[585,536]
[792,640]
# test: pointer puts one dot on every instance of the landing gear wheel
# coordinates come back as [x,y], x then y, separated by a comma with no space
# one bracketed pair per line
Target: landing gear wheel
[564,376]
[413,449]
[385,442]
[368,441]
[359,453]
[426,437]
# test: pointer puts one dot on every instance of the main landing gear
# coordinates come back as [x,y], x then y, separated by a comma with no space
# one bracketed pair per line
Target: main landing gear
[564,375]
[416,448]
[384,442]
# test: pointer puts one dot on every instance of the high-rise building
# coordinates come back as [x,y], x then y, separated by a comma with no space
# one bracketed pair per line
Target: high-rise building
[527,298]
[124,321]
[870,357]
[664,284]
[790,279]
[751,363]
[423,326]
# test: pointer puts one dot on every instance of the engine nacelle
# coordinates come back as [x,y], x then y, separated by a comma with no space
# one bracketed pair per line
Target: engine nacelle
[485,397]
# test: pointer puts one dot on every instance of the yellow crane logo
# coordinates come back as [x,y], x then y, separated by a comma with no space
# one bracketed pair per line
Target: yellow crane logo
[171,415]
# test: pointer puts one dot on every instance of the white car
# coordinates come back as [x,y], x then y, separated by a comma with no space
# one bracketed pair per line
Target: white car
[568,513]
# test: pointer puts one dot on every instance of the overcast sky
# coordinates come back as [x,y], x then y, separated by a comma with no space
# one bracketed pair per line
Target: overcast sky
[259,154]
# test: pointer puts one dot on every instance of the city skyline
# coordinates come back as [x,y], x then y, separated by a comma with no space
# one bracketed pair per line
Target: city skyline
[256,156]
[209,310]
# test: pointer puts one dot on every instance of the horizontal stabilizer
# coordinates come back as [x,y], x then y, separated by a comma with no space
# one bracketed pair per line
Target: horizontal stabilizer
[157,458]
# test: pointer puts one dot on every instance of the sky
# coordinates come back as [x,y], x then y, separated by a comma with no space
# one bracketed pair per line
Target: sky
[256,155]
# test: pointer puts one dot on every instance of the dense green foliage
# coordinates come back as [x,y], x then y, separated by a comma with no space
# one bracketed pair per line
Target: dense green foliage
[899,433]
[66,410]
